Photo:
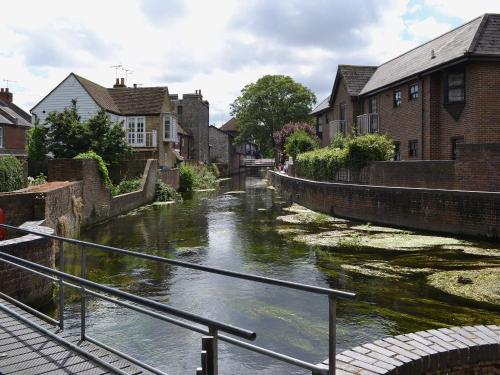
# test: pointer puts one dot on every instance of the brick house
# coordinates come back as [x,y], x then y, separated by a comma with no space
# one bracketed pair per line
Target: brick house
[429,99]
[146,113]
[193,115]
[248,149]
[14,125]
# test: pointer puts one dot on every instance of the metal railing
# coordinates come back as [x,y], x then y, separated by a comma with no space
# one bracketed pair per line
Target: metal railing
[367,123]
[337,127]
[248,162]
[142,139]
[209,342]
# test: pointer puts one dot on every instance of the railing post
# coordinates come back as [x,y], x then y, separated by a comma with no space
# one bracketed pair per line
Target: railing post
[332,334]
[61,286]
[83,311]
[215,350]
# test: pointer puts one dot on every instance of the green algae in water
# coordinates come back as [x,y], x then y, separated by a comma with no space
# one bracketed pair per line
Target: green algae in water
[384,269]
[470,248]
[485,286]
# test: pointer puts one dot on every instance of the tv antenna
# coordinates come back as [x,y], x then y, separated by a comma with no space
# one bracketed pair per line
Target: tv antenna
[116,67]
[7,81]
[127,73]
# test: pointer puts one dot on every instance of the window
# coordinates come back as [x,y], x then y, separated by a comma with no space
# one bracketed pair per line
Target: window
[412,149]
[456,87]
[396,98]
[372,105]
[136,128]
[179,110]
[397,151]
[413,94]
[342,111]
[169,127]
[1,137]
[454,143]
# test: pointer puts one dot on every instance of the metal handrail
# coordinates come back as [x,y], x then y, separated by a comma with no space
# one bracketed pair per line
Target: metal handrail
[220,271]
[213,331]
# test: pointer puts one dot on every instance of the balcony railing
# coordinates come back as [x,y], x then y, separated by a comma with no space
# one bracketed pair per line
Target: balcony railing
[368,123]
[142,139]
[337,126]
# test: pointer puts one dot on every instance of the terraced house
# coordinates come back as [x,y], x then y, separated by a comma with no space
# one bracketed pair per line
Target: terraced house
[146,113]
[14,125]
[429,99]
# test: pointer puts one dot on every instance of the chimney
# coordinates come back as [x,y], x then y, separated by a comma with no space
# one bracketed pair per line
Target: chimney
[135,85]
[5,95]
[120,82]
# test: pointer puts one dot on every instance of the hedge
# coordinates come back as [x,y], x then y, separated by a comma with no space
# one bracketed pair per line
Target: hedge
[11,174]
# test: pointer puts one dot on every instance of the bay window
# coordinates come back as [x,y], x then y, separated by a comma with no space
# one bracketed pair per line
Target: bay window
[169,127]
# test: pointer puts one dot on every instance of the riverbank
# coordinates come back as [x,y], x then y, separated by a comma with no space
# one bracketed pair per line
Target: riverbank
[447,211]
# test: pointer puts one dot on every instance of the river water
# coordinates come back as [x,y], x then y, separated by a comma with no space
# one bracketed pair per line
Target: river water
[240,232]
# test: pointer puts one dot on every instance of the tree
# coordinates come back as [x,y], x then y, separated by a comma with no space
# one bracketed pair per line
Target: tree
[37,142]
[67,136]
[266,105]
[281,136]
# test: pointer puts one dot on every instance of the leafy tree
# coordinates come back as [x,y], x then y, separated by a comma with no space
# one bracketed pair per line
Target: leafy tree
[300,142]
[67,136]
[266,105]
[37,142]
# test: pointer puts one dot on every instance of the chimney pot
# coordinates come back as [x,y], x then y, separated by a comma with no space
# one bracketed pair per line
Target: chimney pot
[135,85]
[6,89]
[122,81]
[117,81]
[1,90]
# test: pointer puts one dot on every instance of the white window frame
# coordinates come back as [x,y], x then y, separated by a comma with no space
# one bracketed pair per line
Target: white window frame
[136,135]
[1,137]
[172,136]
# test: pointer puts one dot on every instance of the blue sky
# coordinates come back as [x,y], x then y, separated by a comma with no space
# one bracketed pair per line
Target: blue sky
[216,46]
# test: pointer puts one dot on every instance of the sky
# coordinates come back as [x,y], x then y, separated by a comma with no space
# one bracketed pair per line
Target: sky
[217,46]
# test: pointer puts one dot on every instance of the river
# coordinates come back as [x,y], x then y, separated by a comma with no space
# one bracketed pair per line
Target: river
[239,231]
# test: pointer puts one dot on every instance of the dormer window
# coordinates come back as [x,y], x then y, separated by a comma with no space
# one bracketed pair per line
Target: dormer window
[169,127]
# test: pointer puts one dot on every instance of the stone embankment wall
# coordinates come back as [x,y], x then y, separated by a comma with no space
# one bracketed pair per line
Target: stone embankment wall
[24,285]
[448,211]
[170,177]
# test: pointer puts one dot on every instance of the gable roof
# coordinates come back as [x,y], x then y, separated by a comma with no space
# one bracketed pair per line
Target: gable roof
[355,77]
[480,37]
[126,100]
[322,106]
[229,126]
[11,114]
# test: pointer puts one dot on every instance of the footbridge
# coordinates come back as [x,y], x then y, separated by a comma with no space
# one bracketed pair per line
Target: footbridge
[257,163]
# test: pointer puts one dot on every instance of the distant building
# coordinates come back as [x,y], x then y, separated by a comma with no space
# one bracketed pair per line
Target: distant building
[147,113]
[193,114]
[429,99]
[14,125]
[248,149]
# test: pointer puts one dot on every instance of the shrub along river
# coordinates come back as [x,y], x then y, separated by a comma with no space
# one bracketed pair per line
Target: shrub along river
[405,281]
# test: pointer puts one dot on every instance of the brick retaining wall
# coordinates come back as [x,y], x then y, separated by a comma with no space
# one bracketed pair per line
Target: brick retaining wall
[450,351]
[170,177]
[449,211]
[24,285]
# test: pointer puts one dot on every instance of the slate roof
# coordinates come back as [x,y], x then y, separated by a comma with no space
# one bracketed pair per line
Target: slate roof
[481,36]
[323,105]
[126,100]
[11,114]
[229,126]
[356,77]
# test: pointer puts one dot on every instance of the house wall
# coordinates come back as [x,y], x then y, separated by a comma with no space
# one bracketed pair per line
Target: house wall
[61,98]
[322,121]
[219,146]
[195,117]
[14,138]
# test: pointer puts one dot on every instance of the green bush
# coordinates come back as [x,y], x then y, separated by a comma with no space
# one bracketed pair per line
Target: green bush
[165,193]
[323,164]
[298,143]
[38,180]
[126,186]
[204,178]
[214,169]
[101,166]
[11,174]
[187,175]
[37,142]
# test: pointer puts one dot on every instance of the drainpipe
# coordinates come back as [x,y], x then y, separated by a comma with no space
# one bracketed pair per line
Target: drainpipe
[423,119]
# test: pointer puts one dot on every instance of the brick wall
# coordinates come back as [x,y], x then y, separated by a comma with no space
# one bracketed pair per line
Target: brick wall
[170,177]
[352,108]
[24,285]
[14,138]
[449,211]
[129,169]
[219,145]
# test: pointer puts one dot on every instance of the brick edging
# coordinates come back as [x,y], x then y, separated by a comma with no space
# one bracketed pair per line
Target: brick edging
[425,352]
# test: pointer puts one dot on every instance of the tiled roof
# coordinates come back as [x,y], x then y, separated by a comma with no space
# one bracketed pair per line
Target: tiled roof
[126,100]
[324,104]
[481,36]
[356,77]
[11,114]
[229,126]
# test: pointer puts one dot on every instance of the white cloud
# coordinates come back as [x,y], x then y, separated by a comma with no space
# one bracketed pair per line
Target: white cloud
[429,28]
[191,44]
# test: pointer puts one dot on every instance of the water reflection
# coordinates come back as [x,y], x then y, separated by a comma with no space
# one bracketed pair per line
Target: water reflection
[238,231]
